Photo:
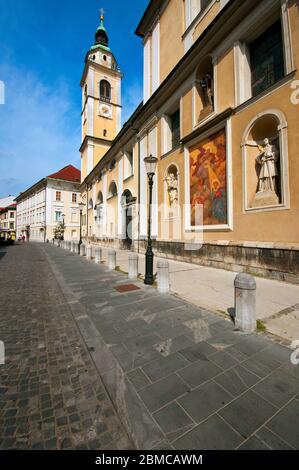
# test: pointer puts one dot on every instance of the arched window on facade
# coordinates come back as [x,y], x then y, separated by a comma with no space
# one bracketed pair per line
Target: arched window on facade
[105,91]
[265,162]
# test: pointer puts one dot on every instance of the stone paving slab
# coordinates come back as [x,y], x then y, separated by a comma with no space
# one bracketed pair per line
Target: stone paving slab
[213,288]
[51,396]
[202,385]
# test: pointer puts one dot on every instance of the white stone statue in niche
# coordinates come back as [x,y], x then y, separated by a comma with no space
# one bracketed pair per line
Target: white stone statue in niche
[267,186]
[206,84]
[172,188]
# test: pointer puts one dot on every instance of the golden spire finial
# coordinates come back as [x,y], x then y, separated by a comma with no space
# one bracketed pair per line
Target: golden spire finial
[102,14]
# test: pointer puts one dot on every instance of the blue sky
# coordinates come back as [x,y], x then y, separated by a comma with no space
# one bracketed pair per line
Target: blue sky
[43,44]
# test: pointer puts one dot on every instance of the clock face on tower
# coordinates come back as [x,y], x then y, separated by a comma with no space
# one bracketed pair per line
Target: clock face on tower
[105,110]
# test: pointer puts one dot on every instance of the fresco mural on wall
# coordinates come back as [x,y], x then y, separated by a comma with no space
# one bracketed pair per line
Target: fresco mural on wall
[208,184]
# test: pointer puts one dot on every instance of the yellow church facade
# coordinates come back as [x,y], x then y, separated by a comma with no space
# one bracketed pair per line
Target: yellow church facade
[220,112]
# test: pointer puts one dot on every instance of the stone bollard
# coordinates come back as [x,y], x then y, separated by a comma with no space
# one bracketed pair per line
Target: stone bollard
[111,259]
[163,275]
[82,250]
[98,254]
[133,266]
[89,252]
[245,303]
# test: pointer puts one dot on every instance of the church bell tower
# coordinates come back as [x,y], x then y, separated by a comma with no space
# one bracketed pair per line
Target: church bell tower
[101,101]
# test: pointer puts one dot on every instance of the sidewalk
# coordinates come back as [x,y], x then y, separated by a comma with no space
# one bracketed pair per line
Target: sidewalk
[179,376]
[277,302]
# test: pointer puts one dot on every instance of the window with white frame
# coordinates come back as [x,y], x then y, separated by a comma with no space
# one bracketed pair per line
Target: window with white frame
[151,62]
[58,196]
[193,8]
[259,62]
[171,131]
[128,164]
[74,198]
[266,59]
[58,216]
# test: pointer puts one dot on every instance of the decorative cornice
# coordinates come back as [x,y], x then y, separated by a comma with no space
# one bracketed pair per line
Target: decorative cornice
[97,140]
[209,125]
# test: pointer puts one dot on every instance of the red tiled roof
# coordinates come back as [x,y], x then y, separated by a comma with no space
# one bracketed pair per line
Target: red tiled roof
[7,208]
[68,173]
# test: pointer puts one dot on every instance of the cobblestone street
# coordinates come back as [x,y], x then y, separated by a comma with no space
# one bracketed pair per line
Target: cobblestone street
[51,395]
[92,359]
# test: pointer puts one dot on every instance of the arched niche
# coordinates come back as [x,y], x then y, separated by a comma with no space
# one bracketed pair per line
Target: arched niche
[128,212]
[90,203]
[171,186]
[99,207]
[112,192]
[265,162]
[100,199]
[204,89]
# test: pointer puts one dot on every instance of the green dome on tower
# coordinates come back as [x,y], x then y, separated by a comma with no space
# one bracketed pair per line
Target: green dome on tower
[101,36]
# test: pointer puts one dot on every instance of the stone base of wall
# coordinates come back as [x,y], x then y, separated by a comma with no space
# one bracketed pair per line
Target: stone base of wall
[269,260]
[265,260]
[116,243]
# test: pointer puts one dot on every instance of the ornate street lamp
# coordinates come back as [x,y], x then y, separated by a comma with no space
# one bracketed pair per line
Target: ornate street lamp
[150,166]
[81,205]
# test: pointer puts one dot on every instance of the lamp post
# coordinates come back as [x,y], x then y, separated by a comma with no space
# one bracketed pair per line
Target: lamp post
[81,205]
[150,166]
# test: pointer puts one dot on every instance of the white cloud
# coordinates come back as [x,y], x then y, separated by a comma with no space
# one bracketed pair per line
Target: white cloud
[39,127]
